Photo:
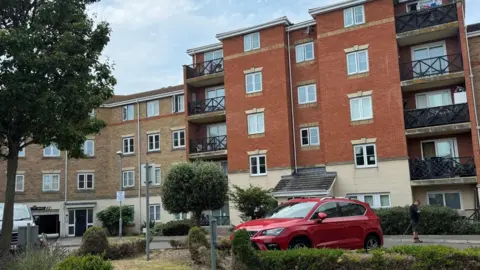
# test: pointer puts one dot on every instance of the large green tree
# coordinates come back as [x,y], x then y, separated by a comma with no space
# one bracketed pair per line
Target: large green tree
[194,187]
[51,78]
[252,202]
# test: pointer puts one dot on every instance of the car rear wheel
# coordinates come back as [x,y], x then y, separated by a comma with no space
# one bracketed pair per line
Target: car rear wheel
[300,243]
[371,242]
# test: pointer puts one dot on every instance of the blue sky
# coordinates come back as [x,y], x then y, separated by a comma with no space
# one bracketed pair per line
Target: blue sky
[149,37]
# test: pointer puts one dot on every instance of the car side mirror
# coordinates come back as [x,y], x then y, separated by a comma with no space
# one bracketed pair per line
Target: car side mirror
[321,217]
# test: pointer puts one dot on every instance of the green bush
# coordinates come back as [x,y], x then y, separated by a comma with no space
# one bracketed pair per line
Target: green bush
[433,220]
[110,217]
[243,254]
[34,259]
[224,244]
[88,262]
[196,240]
[178,243]
[126,249]
[173,228]
[94,241]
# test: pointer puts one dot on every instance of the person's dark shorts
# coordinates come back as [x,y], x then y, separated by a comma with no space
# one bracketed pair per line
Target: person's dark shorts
[414,226]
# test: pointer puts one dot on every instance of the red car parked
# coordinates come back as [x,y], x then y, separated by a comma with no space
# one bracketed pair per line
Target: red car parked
[326,222]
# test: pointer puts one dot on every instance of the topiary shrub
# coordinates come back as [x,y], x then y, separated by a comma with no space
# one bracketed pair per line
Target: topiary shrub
[176,228]
[110,217]
[177,243]
[244,256]
[224,244]
[196,240]
[88,262]
[94,241]
[126,249]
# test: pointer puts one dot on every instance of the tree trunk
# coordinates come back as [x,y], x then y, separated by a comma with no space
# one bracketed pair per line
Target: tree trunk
[7,220]
[197,217]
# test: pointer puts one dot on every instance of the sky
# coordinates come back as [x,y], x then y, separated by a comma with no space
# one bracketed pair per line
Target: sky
[149,38]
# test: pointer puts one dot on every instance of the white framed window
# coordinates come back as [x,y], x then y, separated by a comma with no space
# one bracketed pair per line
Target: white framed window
[258,165]
[452,199]
[361,108]
[429,59]
[157,180]
[375,200]
[433,99]
[181,216]
[253,82]
[178,138]
[89,148]
[256,124]
[307,94]
[21,153]
[304,52]
[154,175]
[309,136]
[128,179]
[445,148]
[251,41]
[51,182]
[128,112]
[357,62]
[20,183]
[354,16]
[51,151]
[153,142]
[365,155]
[154,212]
[153,108]
[85,181]
[178,103]
[128,145]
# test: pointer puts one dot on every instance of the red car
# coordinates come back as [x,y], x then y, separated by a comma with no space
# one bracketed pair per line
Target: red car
[326,222]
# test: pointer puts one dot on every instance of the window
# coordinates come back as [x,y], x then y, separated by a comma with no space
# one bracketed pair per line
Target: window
[51,151]
[155,212]
[357,62]
[304,52]
[178,103]
[330,208]
[256,123]
[154,142]
[430,59]
[361,108]
[128,145]
[351,209]
[89,148]
[19,183]
[51,182]
[128,179]
[253,82]
[258,165]
[21,153]
[445,148]
[85,181]
[179,139]
[158,176]
[450,199]
[180,216]
[251,41]
[128,112]
[307,94]
[153,108]
[422,4]
[309,136]
[354,16]
[374,200]
[433,99]
[365,155]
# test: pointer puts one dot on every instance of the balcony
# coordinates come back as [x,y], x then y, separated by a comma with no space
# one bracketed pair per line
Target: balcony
[437,120]
[205,73]
[212,147]
[207,111]
[432,72]
[442,171]
[427,24]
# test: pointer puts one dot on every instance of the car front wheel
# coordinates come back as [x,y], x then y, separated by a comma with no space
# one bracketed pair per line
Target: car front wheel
[299,243]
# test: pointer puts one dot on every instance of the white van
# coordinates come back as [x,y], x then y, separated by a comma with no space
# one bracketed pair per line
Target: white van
[21,217]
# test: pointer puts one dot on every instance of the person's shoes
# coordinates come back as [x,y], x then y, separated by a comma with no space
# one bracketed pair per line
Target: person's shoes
[417,241]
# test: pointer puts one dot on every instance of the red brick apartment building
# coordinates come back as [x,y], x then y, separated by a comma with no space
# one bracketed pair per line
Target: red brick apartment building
[368,99]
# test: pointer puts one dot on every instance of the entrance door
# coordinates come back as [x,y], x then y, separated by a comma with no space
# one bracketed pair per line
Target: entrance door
[216,137]
[80,222]
[215,100]
[431,64]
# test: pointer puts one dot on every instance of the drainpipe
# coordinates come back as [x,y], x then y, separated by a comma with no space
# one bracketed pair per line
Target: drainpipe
[65,223]
[139,162]
[291,102]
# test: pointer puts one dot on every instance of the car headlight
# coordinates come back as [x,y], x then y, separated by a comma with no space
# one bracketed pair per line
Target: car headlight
[273,232]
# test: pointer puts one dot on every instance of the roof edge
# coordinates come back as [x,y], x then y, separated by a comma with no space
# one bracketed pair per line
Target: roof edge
[324,9]
[206,48]
[473,34]
[279,21]
[301,25]
[300,193]
[142,99]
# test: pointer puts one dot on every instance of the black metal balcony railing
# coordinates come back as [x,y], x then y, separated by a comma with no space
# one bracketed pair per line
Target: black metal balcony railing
[431,66]
[440,167]
[426,17]
[208,144]
[436,116]
[206,105]
[205,68]
[221,221]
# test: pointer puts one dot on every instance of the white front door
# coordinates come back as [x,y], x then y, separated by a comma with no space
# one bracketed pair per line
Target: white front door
[430,63]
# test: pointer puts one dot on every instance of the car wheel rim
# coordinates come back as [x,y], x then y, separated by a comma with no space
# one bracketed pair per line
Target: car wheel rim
[299,245]
[372,243]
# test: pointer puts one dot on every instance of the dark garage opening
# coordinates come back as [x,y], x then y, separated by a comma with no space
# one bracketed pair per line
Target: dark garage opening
[48,224]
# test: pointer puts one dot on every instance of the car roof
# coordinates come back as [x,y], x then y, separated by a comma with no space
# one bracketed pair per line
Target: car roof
[325,199]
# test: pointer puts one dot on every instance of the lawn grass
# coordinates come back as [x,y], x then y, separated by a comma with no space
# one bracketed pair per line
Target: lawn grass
[141,263]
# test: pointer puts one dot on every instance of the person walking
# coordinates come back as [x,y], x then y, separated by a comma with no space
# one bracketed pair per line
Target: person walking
[415,220]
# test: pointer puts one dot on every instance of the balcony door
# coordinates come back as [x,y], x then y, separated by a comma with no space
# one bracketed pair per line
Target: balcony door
[216,137]
[212,61]
[445,148]
[434,99]
[426,59]
[215,100]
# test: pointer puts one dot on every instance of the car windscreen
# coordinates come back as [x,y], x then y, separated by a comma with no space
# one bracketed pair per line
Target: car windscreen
[292,210]
[20,212]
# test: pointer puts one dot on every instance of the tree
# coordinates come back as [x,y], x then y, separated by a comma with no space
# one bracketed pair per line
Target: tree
[194,187]
[51,78]
[253,202]
[110,217]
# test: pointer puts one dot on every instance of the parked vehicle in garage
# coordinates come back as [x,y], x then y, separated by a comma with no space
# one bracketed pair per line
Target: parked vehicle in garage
[21,218]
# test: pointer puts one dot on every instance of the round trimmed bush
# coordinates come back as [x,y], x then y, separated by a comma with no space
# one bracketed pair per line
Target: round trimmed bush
[88,262]
[196,240]
[94,241]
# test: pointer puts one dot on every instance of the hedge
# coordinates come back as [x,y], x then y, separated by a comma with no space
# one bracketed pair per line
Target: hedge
[433,220]
[173,228]
[403,257]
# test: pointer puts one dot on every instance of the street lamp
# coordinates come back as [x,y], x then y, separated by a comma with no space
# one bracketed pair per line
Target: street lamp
[120,222]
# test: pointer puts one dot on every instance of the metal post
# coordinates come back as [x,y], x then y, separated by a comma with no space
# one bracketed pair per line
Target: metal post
[147,199]
[213,240]
[120,222]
